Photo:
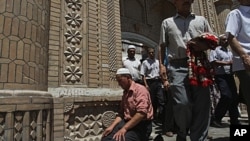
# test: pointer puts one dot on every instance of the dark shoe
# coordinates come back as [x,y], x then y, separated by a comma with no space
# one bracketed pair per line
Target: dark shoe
[234,122]
[237,123]
[159,138]
[217,124]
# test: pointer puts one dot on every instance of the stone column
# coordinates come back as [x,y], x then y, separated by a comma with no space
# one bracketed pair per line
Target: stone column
[223,7]
[24,101]
[24,44]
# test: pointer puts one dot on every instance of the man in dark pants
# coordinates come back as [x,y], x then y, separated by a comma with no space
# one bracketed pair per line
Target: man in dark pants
[150,75]
[134,121]
[168,126]
[221,59]
[238,35]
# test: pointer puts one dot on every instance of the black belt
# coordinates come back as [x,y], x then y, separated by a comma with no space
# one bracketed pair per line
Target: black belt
[153,80]
[182,60]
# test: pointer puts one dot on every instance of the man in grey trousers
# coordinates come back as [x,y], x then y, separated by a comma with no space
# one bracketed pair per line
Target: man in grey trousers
[191,104]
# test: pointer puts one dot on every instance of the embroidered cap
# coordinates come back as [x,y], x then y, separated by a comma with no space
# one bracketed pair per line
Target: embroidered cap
[123,71]
[131,47]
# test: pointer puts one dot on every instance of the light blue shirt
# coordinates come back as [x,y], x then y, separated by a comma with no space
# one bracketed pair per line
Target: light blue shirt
[221,54]
[238,24]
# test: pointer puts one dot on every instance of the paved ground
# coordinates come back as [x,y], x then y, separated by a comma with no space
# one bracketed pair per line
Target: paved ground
[217,134]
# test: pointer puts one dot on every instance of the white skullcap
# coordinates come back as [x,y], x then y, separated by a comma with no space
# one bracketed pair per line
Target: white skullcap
[123,71]
[131,47]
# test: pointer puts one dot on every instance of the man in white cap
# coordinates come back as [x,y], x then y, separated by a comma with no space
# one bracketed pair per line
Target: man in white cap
[133,64]
[134,120]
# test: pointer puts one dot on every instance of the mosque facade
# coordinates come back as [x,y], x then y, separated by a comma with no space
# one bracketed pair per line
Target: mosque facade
[58,60]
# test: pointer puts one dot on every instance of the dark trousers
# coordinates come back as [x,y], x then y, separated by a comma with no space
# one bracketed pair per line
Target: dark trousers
[157,96]
[140,132]
[244,78]
[229,98]
[168,122]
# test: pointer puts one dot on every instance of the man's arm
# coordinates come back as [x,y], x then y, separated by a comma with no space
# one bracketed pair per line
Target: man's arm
[138,117]
[145,81]
[239,50]
[111,127]
[162,55]
[221,63]
[143,73]
[164,77]
[120,135]
[161,50]
[116,121]
[236,46]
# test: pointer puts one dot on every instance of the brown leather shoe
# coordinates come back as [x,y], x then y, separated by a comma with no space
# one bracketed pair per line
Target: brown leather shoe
[169,134]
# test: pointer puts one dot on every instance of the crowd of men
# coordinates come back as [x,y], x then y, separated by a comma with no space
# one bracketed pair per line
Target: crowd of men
[175,89]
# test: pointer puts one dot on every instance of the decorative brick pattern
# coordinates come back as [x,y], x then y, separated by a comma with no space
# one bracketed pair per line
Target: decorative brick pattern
[25,115]
[73,47]
[85,120]
[23,41]
[223,7]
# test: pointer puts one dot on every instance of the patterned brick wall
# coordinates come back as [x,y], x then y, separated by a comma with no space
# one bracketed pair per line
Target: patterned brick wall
[23,44]
[25,115]
[84,43]
[73,48]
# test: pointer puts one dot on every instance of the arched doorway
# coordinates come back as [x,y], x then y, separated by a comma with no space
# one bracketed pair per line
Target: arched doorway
[141,22]
[141,43]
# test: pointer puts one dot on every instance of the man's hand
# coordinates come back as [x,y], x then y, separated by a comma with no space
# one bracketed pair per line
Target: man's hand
[162,70]
[203,42]
[198,45]
[107,131]
[166,85]
[246,62]
[120,135]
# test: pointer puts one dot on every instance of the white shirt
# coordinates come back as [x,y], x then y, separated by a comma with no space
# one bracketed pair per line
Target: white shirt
[221,54]
[133,65]
[150,68]
[238,24]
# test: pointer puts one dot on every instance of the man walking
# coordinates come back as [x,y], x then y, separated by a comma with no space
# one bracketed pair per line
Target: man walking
[191,106]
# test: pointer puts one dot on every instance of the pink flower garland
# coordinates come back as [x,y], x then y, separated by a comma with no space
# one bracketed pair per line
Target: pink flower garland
[200,72]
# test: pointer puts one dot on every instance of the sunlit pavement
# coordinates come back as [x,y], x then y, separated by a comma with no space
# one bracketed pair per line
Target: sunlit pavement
[216,134]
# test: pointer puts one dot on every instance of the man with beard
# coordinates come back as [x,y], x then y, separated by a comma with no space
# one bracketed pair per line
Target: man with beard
[191,106]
